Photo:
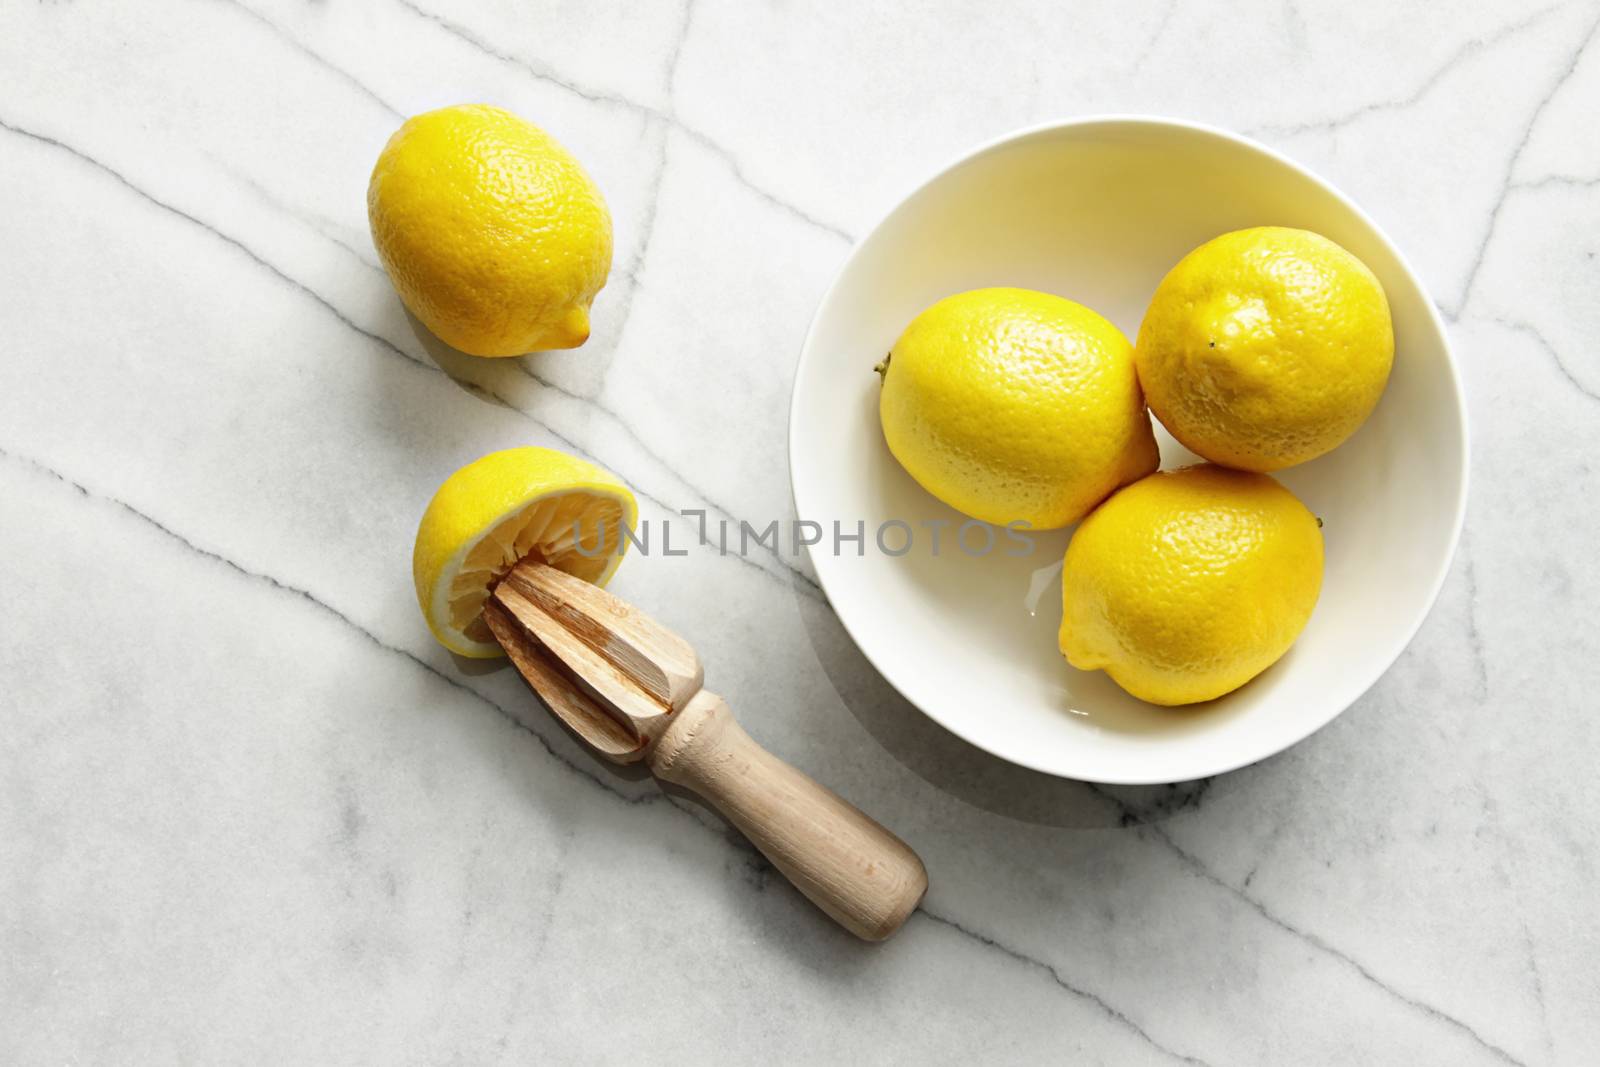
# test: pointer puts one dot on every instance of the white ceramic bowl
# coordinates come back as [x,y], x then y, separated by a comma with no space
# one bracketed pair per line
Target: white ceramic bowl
[1098,210]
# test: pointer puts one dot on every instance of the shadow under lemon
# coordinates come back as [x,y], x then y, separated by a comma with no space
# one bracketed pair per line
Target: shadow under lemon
[508,381]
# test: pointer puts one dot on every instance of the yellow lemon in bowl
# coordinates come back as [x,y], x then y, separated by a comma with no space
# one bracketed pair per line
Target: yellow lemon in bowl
[1012,405]
[1187,584]
[492,233]
[1265,347]
[507,506]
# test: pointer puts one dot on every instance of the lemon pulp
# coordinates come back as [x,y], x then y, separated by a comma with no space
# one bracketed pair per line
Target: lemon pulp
[522,503]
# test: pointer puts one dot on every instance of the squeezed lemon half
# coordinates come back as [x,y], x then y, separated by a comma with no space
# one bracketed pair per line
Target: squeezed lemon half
[523,502]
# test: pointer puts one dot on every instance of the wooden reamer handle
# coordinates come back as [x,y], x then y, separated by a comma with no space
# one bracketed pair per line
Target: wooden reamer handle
[845,863]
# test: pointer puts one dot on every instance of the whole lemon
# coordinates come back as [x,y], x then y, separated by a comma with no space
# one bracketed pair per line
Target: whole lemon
[1015,406]
[491,232]
[1187,584]
[1266,347]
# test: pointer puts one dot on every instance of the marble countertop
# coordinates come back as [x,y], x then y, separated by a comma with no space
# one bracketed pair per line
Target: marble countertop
[251,813]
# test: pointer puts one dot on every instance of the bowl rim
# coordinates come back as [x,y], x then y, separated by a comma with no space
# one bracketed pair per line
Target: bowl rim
[1446,558]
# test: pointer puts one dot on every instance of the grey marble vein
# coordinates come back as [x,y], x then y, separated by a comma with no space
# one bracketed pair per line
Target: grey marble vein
[233,242]
[737,169]
[1532,333]
[1468,51]
[1495,818]
[322,61]
[1155,37]
[1480,661]
[1199,868]
[1458,306]
[1561,181]
[359,248]
[1059,979]
[542,72]
[1195,864]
